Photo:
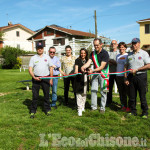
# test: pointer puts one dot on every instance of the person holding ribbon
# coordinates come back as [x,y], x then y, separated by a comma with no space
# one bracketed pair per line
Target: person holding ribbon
[100,74]
[138,61]
[57,66]
[42,66]
[121,60]
[81,81]
[68,63]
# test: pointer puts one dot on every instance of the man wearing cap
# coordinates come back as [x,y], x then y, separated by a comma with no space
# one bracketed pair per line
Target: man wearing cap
[57,65]
[42,66]
[139,62]
[112,68]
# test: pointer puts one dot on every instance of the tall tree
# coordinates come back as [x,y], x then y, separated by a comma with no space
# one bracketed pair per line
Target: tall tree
[1,36]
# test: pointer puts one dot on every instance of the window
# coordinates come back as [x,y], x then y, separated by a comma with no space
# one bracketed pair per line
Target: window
[57,41]
[17,33]
[18,46]
[147,28]
[48,32]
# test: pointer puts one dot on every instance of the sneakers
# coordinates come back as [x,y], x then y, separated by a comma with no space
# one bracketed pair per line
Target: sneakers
[123,108]
[106,90]
[144,117]
[102,111]
[48,113]
[79,112]
[128,109]
[83,110]
[131,114]
[32,115]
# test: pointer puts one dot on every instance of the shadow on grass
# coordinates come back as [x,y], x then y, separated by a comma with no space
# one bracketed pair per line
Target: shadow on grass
[23,88]
[115,106]
[40,103]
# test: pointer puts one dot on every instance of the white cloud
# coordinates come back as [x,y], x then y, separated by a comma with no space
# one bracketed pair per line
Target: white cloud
[120,4]
[123,33]
[121,28]
[123,3]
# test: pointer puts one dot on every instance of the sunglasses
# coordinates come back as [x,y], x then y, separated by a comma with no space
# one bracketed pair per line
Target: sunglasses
[52,52]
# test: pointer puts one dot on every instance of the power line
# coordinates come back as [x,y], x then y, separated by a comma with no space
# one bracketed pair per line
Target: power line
[129,13]
[77,22]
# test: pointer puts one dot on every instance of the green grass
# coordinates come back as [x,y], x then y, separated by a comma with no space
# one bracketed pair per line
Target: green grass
[19,132]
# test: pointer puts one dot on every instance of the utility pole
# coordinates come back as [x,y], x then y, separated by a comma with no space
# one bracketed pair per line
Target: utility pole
[95,24]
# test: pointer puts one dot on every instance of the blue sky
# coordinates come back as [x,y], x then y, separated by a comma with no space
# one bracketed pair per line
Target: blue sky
[116,19]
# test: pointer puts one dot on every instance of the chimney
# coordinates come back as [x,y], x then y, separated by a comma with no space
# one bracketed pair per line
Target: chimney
[9,23]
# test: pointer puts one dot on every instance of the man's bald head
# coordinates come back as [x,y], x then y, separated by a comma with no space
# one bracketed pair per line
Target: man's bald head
[114,45]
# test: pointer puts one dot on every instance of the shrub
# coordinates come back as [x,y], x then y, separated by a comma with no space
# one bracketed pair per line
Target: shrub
[18,64]
[10,55]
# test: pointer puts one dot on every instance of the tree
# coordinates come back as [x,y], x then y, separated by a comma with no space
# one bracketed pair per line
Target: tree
[10,55]
[1,36]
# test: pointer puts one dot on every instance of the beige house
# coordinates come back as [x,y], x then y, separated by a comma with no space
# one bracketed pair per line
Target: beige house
[145,33]
[15,35]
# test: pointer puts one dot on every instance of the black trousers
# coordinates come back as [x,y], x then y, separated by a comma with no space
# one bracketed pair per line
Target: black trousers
[112,78]
[35,94]
[66,87]
[123,91]
[138,83]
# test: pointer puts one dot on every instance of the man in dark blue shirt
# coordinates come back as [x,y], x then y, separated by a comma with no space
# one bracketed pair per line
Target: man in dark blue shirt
[100,59]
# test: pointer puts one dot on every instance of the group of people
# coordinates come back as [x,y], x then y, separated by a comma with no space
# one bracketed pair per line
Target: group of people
[127,69]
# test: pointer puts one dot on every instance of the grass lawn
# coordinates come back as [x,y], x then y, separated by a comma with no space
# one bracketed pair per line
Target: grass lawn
[64,129]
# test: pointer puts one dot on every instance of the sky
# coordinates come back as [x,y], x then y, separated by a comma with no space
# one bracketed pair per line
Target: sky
[116,19]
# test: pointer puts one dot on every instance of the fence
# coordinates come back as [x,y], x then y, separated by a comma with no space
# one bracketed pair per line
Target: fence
[1,60]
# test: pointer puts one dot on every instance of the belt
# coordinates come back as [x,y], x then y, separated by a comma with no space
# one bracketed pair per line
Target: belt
[39,76]
[137,74]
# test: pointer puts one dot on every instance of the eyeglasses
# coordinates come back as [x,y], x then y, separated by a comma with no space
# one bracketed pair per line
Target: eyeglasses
[96,45]
[113,43]
[52,52]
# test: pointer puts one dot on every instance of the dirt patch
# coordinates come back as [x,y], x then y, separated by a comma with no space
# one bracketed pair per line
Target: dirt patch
[115,95]
[123,118]
[3,94]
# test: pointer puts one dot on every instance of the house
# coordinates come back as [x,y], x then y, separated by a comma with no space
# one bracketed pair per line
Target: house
[145,33]
[57,36]
[15,35]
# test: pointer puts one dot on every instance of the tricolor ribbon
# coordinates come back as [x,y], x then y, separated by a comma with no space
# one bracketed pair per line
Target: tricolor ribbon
[57,77]
[70,75]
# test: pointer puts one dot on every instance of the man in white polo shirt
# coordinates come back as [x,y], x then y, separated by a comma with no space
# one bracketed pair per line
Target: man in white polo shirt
[42,66]
[139,62]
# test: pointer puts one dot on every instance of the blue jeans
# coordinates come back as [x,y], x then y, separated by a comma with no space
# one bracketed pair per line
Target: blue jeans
[97,80]
[54,92]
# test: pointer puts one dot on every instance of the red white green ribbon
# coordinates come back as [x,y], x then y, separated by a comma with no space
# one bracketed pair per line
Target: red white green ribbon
[57,77]
[104,73]
[70,75]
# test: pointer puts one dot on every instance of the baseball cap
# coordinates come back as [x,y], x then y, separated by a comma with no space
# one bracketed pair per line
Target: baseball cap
[39,45]
[135,40]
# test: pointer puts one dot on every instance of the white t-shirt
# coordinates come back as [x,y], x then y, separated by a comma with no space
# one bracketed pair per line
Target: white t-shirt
[40,65]
[121,61]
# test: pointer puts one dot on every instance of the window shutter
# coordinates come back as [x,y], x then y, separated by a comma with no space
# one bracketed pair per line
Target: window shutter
[63,41]
[147,28]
